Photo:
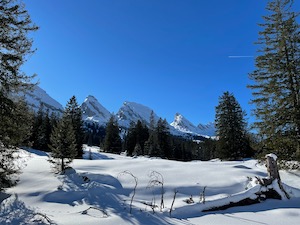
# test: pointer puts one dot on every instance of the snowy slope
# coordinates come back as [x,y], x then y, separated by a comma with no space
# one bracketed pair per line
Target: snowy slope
[132,112]
[38,96]
[104,198]
[93,111]
[183,125]
[208,129]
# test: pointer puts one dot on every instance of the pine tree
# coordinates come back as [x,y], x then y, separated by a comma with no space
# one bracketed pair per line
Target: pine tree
[231,128]
[131,139]
[276,80]
[15,123]
[41,130]
[63,143]
[151,147]
[163,139]
[74,113]
[112,142]
[15,45]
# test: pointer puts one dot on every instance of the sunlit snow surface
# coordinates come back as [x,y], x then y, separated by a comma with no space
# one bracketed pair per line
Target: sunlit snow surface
[96,192]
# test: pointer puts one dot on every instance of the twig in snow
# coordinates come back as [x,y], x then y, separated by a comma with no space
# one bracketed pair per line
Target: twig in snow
[157,179]
[126,172]
[92,207]
[174,197]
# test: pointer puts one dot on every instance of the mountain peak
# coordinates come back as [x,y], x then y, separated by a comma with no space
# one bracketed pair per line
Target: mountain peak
[132,112]
[90,98]
[92,110]
[182,124]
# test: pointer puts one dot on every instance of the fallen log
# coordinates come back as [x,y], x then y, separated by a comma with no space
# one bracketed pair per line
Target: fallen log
[263,188]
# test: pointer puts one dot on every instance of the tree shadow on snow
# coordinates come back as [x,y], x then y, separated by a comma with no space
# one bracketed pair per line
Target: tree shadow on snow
[13,211]
[96,156]
[36,152]
[103,192]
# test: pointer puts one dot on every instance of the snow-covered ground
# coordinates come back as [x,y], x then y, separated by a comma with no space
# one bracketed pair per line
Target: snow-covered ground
[97,192]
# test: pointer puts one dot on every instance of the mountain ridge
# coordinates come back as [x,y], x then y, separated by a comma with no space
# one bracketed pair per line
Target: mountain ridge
[93,111]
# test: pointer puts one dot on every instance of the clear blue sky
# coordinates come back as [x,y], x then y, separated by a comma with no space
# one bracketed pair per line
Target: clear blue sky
[170,55]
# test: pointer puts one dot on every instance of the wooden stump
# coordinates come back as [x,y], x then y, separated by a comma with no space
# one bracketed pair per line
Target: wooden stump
[273,173]
[272,167]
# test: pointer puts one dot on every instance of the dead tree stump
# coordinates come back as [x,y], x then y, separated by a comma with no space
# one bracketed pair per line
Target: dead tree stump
[273,172]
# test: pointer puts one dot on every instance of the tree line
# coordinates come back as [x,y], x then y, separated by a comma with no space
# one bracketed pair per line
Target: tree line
[275,85]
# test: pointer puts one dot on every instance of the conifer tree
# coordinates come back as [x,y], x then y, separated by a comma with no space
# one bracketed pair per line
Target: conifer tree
[15,45]
[163,138]
[112,142]
[231,128]
[15,123]
[41,130]
[276,80]
[63,144]
[151,146]
[74,114]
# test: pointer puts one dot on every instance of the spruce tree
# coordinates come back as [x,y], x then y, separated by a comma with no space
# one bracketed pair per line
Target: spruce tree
[15,123]
[74,114]
[15,45]
[276,80]
[151,147]
[231,128]
[112,142]
[63,144]
[163,139]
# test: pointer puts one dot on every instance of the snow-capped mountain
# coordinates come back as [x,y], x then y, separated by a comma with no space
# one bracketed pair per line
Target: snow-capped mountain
[208,129]
[37,97]
[93,111]
[129,112]
[183,125]
[132,112]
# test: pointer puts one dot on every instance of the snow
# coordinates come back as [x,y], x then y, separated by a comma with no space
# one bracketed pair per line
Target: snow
[272,155]
[97,192]
[93,111]
[38,96]
[183,125]
[129,112]
[132,112]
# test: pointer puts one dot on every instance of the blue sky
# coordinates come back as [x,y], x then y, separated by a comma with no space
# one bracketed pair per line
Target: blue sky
[170,55]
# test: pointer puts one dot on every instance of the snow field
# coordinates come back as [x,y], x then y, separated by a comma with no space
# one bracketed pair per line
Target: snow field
[95,192]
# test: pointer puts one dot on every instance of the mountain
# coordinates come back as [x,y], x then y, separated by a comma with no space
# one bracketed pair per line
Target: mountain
[180,123]
[208,129]
[93,111]
[132,112]
[38,96]
[129,112]
[184,126]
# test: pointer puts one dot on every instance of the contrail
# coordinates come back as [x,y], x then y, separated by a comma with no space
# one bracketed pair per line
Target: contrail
[240,56]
